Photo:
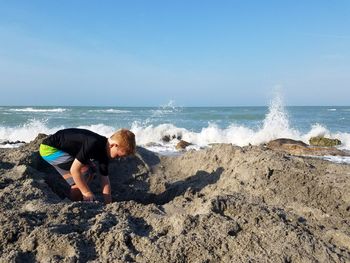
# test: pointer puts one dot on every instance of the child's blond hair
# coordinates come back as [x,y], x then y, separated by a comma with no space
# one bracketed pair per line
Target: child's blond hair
[126,140]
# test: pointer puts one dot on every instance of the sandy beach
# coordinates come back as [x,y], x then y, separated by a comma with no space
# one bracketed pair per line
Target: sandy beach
[220,204]
[225,125]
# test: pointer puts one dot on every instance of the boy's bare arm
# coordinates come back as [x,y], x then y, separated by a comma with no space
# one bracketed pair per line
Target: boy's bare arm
[79,180]
[106,189]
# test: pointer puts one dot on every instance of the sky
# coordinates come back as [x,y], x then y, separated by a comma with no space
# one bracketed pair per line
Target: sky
[191,52]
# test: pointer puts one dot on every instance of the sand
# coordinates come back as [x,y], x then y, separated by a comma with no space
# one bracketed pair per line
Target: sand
[220,204]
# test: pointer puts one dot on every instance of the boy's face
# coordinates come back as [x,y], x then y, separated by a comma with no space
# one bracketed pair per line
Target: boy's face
[116,151]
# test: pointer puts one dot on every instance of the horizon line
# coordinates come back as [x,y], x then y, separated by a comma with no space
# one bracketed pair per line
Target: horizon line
[165,106]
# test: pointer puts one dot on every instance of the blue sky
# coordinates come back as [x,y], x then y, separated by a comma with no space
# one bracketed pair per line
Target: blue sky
[196,53]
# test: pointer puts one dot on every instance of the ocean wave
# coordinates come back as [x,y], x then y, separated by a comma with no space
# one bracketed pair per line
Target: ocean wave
[102,129]
[29,109]
[110,111]
[168,108]
[275,125]
[162,111]
[26,132]
[332,109]
[10,145]
[152,136]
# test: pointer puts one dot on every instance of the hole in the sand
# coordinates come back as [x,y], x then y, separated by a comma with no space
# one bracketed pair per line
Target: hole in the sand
[192,185]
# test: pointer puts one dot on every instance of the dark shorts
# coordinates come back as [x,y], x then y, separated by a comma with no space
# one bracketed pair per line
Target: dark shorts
[61,161]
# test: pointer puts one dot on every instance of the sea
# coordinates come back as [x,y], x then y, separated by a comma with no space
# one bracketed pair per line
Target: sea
[200,126]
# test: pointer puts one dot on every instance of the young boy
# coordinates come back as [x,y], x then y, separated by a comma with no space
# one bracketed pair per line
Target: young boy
[71,151]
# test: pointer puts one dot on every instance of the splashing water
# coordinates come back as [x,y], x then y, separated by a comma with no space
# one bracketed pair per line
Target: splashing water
[199,126]
[169,108]
[276,124]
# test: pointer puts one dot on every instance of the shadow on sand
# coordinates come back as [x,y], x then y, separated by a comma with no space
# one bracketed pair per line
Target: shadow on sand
[130,180]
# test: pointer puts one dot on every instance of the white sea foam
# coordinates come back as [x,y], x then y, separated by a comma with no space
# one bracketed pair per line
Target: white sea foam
[151,136]
[11,145]
[337,159]
[26,132]
[344,138]
[109,111]
[29,109]
[275,125]
[237,135]
[332,109]
[100,129]
[168,108]
[316,130]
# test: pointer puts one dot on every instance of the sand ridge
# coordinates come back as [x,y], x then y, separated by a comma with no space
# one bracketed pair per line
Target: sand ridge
[220,204]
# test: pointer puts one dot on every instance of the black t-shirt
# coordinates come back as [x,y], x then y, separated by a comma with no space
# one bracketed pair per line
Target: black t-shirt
[83,145]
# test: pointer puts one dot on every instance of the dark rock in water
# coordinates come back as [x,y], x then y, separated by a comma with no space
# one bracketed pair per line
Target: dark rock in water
[324,142]
[182,145]
[299,148]
[11,142]
[166,138]
[40,137]
[281,141]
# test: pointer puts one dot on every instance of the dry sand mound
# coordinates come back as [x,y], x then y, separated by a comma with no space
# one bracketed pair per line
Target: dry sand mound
[223,204]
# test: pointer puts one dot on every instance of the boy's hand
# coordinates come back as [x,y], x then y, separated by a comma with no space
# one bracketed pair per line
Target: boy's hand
[89,196]
[80,181]
[106,189]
